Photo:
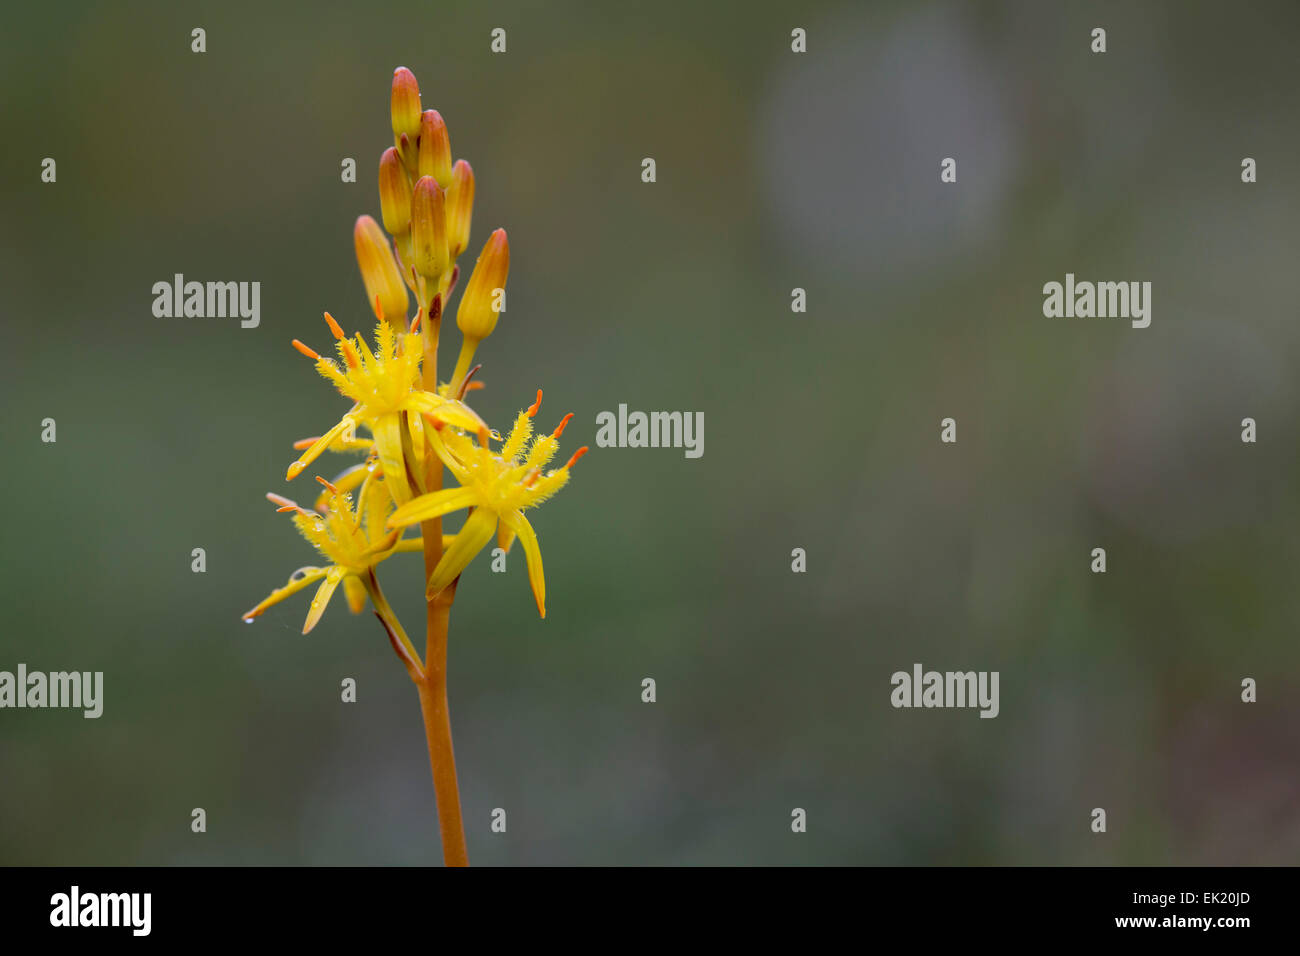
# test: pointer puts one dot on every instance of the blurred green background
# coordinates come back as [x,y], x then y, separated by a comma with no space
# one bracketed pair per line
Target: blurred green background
[775,171]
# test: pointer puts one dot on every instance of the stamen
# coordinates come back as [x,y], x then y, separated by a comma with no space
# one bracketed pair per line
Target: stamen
[559,429]
[305,350]
[464,386]
[302,443]
[415,322]
[379,311]
[576,455]
[531,477]
[350,354]
[536,406]
[287,505]
[475,386]
[330,485]
[334,326]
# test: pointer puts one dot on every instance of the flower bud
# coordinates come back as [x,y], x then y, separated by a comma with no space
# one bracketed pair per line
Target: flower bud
[434,148]
[429,229]
[460,207]
[405,103]
[379,271]
[394,193]
[484,294]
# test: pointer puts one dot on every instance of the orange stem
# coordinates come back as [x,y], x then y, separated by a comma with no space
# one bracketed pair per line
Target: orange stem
[437,729]
[433,686]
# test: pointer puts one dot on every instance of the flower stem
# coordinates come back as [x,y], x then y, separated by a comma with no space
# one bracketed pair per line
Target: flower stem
[437,729]
[433,686]
[467,350]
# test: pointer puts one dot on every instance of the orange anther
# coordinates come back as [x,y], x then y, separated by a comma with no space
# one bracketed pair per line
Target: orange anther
[576,455]
[350,354]
[533,408]
[305,350]
[279,500]
[302,443]
[474,386]
[334,326]
[415,322]
[559,429]
[379,311]
[333,489]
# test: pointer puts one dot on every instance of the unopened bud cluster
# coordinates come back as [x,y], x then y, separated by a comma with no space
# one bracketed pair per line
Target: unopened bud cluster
[427,203]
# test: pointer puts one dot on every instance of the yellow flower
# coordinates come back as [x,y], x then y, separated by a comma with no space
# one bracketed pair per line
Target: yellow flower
[353,541]
[498,486]
[384,386]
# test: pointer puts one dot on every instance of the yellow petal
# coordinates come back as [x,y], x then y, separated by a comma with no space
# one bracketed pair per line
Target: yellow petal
[346,424]
[296,584]
[322,599]
[532,553]
[454,413]
[505,537]
[376,552]
[445,454]
[433,505]
[355,591]
[473,535]
[387,430]
[415,428]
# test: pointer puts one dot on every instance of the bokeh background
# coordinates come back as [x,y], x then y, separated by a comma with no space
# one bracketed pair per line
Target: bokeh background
[775,171]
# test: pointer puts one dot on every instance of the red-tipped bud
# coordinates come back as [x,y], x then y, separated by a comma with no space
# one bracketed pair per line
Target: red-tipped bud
[429,229]
[405,103]
[379,271]
[460,207]
[435,148]
[484,296]
[394,193]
